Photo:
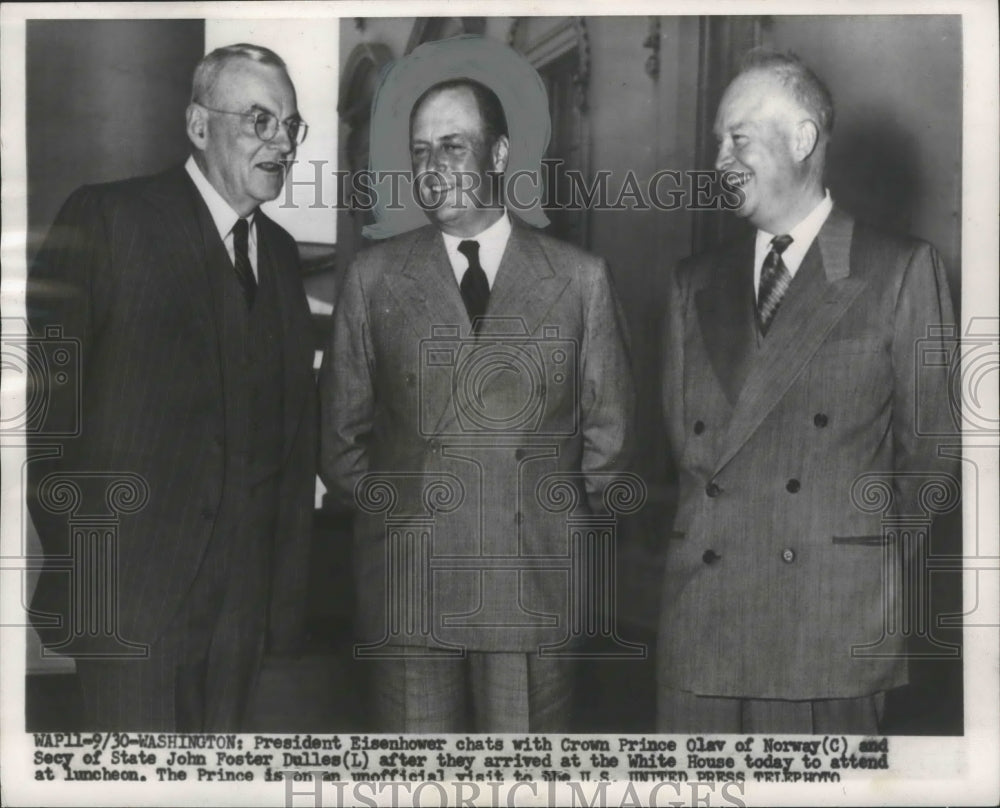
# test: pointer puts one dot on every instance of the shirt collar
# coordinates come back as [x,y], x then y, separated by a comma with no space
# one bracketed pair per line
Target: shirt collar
[222,214]
[492,243]
[803,235]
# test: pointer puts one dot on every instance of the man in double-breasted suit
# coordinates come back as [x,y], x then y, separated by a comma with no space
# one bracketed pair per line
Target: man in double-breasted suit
[474,363]
[197,391]
[791,372]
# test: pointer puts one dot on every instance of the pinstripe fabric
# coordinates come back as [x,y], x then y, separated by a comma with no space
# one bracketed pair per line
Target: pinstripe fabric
[520,693]
[419,695]
[681,712]
[769,438]
[485,692]
[136,272]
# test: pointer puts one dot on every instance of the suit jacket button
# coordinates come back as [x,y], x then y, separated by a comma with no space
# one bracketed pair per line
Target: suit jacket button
[710,556]
[411,379]
[820,419]
[699,427]
[793,486]
[713,490]
[788,555]
[434,445]
[518,517]
[519,454]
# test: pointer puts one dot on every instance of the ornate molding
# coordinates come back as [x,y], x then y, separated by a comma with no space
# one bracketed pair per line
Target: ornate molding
[562,38]
[366,58]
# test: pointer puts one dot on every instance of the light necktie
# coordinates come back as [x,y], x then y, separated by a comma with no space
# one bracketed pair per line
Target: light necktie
[241,253]
[774,281]
[475,287]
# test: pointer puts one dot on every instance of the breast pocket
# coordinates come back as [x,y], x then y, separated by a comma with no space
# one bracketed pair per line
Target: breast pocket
[857,370]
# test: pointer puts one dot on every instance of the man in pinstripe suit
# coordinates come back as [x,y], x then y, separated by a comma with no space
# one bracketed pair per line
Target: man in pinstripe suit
[196,377]
[790,374]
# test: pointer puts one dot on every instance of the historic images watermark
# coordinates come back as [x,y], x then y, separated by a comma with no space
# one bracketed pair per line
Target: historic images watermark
[320,792]
[555,185]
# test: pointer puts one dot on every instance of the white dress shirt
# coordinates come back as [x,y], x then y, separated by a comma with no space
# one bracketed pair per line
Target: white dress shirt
[223,215]
[803,235]
[492,243]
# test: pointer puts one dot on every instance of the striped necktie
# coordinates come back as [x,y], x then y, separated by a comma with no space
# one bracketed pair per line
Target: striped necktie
[774,281]
[241,254]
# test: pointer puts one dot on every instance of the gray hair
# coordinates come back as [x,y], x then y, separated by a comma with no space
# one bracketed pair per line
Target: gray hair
[805,86]
[211,65]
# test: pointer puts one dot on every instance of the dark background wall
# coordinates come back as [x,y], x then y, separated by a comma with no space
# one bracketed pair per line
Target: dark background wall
[105,101]
[896,154]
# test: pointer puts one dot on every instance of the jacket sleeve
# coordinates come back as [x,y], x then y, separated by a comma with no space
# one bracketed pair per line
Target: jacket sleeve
[672,347]
[289,583]
[290,575]
[61,303]
[925,361]
[347,392]
[607,393]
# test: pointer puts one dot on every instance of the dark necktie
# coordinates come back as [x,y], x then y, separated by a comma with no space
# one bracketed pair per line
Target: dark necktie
[774,281]
[241,253]
[475,287]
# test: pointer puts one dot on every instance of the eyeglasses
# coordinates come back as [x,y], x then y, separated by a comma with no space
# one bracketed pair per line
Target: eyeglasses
[265,124]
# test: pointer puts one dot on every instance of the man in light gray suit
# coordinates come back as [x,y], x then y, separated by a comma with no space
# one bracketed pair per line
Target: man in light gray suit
[480,356]
[790,373]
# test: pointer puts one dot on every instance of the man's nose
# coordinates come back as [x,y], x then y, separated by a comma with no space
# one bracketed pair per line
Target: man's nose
[282,141]
[724,157]
[438,161]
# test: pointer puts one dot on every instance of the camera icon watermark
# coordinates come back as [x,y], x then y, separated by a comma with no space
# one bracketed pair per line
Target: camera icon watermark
[908,564]
[48,365]
[967,366]
[92,504]
[587,621]
[501,383]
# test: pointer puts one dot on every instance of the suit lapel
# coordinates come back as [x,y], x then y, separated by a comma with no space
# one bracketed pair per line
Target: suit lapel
[430,303]
[198,261]
[194,254]
[295,321]
[425,286]
[817,298]
[526,286]
[725,309]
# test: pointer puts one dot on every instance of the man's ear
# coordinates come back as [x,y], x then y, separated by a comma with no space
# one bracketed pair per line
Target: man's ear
[197,126]
[805,137]
[500,153]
